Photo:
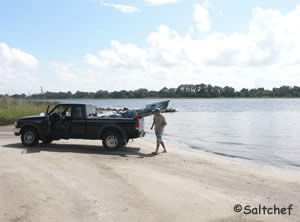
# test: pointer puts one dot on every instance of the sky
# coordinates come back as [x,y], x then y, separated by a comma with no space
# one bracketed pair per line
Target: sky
[89,45]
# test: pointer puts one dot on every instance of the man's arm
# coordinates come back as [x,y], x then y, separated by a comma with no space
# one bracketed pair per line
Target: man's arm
[153,122]
[152,125]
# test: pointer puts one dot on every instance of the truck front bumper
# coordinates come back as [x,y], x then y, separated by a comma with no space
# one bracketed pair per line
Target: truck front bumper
[17,131]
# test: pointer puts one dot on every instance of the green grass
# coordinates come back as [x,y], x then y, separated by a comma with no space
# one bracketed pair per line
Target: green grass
[11,109]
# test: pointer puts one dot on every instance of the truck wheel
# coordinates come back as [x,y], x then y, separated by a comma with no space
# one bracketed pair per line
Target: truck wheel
[29,137]
[112,141]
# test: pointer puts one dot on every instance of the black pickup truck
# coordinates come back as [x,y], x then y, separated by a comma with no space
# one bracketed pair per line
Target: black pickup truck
[78,121]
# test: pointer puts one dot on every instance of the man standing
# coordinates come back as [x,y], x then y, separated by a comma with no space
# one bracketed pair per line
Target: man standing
[159,123]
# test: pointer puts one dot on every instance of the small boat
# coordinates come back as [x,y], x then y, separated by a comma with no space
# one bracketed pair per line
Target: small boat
[163,105]
[147,111]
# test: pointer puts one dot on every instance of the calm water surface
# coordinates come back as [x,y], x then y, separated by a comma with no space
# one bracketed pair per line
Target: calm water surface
[262,130]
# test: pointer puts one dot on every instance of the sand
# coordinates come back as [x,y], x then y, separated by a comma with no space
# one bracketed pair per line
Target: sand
[77,180]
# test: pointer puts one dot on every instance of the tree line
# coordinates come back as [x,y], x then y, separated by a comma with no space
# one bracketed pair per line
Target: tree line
[185,90]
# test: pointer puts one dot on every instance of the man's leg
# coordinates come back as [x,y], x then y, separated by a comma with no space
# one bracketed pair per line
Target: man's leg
[157,147]
[163,145]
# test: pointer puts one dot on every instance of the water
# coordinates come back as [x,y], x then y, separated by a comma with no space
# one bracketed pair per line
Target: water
[261,130]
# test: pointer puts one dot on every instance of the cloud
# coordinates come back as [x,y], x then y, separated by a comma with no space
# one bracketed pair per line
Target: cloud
[16,68]
[64,72]
[119,56]
[14,58]
[268,55]
[160,2]
[201,16]
[122,8]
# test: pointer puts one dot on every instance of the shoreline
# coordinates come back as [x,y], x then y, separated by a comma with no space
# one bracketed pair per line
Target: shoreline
[254,162]
[76,180]
[252,165]
[186,147]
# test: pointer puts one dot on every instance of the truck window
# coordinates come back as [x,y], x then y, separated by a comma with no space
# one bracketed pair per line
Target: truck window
[62,109]
[68,112]
[78,112]
[91,111]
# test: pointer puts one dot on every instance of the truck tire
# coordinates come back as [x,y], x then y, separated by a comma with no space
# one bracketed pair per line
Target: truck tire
[29,137]
[112,141]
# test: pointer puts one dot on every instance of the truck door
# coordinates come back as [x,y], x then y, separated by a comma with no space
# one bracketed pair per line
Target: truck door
[78,117]
[60,122]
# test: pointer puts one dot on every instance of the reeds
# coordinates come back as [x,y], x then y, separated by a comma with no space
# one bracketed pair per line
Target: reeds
[12,109]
